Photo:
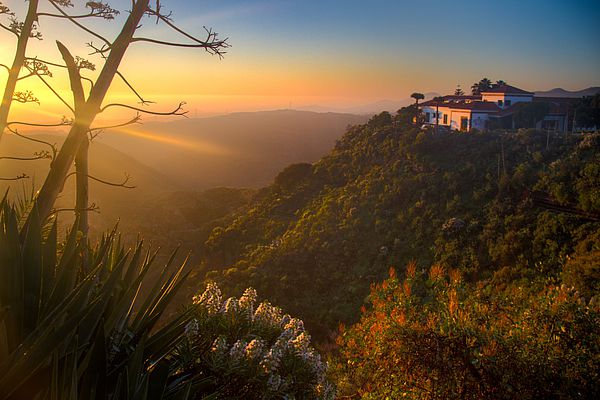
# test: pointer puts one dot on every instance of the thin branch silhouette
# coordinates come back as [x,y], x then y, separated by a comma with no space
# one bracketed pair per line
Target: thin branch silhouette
[115,184]
[92,207]
[134,120]
[41,155]
[15,178]
[74,21]
[142,101]
[176,111]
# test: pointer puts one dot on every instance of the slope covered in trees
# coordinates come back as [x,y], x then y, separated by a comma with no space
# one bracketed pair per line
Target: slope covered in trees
[315,240]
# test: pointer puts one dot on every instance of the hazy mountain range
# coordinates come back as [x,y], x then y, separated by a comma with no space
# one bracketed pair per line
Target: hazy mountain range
[369,108]
[394,105]
[169,161]
[236,150]
[560,92]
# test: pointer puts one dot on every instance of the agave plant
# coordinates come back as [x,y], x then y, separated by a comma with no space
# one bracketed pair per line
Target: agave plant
[68,332]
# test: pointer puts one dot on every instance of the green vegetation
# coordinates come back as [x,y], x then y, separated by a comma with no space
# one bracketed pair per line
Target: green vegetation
[434,336]
[85,323]
[508,226]
[390,193]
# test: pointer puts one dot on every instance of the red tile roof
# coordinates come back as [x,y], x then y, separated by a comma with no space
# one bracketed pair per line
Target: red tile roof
[506,89]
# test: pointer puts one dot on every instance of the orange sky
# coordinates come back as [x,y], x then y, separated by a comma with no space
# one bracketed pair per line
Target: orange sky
[334,54]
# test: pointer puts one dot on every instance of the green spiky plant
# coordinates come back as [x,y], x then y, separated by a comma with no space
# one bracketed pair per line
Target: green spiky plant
[70,334]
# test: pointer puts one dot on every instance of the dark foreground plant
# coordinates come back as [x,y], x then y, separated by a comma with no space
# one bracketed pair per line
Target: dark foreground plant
[70,334]
[66,334]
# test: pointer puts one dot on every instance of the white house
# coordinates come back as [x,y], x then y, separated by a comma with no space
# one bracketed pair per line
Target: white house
[464,113]
[505,96]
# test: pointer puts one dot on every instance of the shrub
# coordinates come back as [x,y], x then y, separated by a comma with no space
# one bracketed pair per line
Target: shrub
[252,351]
[427,337]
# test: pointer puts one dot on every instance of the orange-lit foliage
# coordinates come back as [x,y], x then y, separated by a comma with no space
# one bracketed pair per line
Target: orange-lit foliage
[454,341]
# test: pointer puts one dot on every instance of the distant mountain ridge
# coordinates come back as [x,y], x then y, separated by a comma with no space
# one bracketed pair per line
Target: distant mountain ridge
[370,108]
[560,92]
[106,163]
[245,149]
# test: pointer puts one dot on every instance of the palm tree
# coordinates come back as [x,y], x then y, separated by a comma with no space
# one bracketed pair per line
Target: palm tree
[417,96]
[481,86]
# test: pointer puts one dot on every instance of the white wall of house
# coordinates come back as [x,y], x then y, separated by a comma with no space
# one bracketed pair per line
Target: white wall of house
[456,117]
[441,110]
[496,97]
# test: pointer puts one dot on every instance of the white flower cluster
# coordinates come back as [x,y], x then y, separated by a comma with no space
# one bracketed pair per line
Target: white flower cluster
[211,298]
[292,342]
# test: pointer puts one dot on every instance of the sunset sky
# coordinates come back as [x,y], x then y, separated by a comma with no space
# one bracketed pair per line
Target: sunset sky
[342,53]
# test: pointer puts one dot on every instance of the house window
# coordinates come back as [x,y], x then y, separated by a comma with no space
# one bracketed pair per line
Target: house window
[427,116]
[445,119]
[507,103]
[499,103]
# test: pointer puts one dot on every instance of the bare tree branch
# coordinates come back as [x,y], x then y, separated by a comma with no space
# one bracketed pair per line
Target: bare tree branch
[142,101]
[8,29]
[56,94]
[5,67]
[15,178]
[38,155]
[65,122]
[93,207]
[5,10]
[74,21]
[82,63]
[115,184]
[35,67]
[52,146]
[19,57]
[212,47]
[74,77]
[211,38]
[176,111]
[97,10]
[25,97]
[132,121]
[17,28]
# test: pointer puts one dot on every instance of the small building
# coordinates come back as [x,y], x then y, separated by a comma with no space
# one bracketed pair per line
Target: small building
[494,107]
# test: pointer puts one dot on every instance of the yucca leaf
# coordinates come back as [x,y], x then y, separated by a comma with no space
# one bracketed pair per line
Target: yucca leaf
[136,369]
[32,272]
[124,307]
[161,343]
[164,300]
[88,325]
[11,276]
[49,264]
[153,294]
[67,270]
[158,381]
[93,383]
[134,264]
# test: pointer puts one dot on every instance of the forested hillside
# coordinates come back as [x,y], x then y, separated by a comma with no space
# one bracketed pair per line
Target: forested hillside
[389,193]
